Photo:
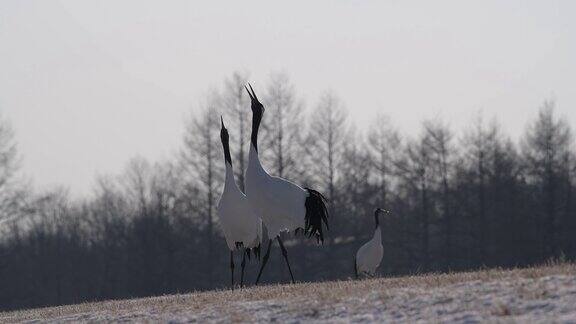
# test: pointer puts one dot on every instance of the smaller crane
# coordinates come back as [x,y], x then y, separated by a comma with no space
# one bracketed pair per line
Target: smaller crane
[370,254]
[242,227]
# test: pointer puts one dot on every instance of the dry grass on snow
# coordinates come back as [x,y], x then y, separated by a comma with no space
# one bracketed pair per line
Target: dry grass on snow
[537,294]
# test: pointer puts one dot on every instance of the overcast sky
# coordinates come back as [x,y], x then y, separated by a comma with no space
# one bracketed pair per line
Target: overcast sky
[89,84]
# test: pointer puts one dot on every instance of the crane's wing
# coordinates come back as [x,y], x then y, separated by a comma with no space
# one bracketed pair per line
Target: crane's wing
[286,200]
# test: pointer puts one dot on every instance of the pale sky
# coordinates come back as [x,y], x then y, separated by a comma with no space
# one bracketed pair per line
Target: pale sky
[89,84]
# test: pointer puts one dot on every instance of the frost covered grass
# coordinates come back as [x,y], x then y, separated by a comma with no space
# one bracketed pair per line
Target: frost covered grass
[539,294]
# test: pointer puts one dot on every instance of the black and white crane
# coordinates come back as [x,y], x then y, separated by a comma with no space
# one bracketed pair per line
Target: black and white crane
[242,227]
[282,205]
[370,254]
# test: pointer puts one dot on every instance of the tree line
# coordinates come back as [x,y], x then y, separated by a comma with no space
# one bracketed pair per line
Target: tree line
[457,201]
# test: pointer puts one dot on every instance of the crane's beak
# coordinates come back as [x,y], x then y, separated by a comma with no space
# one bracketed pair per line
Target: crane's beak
[251,98]
[253,93]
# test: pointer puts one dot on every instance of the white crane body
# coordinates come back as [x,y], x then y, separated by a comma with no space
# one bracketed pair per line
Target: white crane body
[370,254]
[240,224]
[279,202]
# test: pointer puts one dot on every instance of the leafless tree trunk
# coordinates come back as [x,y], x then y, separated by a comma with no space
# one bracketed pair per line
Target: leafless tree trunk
[283,128]
[326,139]
[438,138]
[479,145]
[12,189]
[325,147]
[237,104]
[200,158]
[414,170]
[546,143]
[384,145]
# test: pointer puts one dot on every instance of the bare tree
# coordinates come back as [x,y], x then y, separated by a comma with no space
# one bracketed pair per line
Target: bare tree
[283,127]
[416,176]
[438,138]
[325,145]
[237,104]
[355,171]
[479,144]
[200,158]
[136,182]
[384,146]
[12,189]
[546,144]
[326,141]
[107,228]
[52,217]
[568,242]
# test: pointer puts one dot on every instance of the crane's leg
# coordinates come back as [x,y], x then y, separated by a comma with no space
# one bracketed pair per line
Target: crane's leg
[232,268]
[243,264]
[355,269]
[285,254]
[264,261]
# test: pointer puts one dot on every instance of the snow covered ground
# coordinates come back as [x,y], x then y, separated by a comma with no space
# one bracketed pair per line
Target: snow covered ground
[542,294]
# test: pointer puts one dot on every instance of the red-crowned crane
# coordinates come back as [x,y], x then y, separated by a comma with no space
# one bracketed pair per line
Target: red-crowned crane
[282,205]
[242,227]
[370,254]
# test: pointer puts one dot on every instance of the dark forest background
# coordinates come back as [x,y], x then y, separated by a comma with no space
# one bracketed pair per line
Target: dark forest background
[457,201]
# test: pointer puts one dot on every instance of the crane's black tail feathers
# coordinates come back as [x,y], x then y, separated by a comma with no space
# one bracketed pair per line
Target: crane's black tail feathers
[355,268]
[316,213]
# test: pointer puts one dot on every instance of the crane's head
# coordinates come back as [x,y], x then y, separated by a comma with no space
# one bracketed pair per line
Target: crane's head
[379,212]
[256,105]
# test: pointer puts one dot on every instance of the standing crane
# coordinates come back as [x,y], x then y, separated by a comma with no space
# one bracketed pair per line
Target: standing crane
[242,227]
[370,254]
[282,205]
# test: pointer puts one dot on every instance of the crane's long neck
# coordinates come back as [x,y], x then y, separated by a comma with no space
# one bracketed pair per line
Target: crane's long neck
[229,182]
[256,118]
[378,234]
[254,165]
[226,146]
[377,231]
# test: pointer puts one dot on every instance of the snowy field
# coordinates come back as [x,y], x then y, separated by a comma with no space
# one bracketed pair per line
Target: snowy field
[542,294]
